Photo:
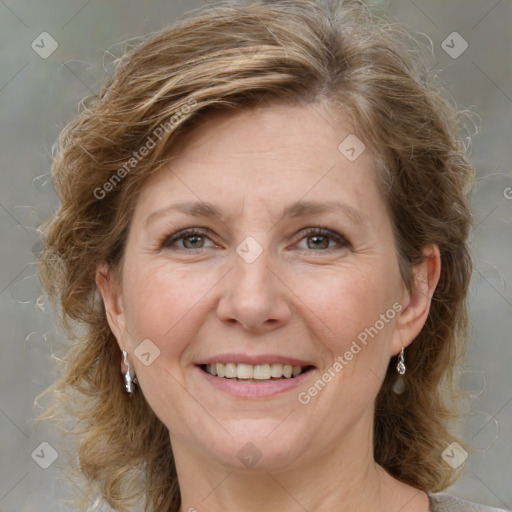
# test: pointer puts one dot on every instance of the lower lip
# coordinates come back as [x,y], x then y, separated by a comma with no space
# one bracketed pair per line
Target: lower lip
[254,389]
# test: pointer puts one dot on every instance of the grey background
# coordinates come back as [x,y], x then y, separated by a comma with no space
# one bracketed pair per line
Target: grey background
[38,96]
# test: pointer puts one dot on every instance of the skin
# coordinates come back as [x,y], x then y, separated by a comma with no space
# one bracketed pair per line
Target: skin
[202,299]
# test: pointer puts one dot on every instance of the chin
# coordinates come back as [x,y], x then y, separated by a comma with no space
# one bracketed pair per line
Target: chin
[258,445]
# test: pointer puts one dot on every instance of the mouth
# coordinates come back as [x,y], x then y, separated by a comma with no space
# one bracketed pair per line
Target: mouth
[259,373]
[254,376]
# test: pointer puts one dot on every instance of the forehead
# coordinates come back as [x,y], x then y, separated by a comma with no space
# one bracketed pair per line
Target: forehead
[277,153]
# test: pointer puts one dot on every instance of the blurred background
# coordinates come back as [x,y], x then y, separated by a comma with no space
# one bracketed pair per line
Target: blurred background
[55,52]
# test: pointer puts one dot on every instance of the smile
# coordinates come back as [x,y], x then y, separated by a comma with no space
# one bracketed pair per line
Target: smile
[254,381]
[258,372]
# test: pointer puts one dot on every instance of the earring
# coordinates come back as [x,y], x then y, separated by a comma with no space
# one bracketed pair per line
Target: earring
[129,375]
[399,385]
[400,367]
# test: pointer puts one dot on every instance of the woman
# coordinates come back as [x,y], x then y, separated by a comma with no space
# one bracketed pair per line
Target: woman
[261,254]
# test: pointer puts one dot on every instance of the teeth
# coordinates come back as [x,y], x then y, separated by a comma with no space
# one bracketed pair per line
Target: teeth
[256,372]
[221,370]
[231,370]
[244,371]
[287,370]
[276,370]
[261,372]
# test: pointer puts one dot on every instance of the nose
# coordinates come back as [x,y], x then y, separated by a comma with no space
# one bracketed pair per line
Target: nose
[254,296]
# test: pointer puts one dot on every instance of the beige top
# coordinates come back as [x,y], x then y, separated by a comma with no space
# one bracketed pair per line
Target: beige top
[441,502]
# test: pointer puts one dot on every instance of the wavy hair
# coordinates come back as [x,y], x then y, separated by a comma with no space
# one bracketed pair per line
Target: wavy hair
[231,58]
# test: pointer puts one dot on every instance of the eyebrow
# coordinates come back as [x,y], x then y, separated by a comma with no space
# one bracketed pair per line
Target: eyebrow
[310,208]
[295,210]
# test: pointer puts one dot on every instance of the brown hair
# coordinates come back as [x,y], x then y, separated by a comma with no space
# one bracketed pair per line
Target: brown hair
[231,58]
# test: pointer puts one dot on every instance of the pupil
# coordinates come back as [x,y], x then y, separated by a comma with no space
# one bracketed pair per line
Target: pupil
[193,240]
[323,239]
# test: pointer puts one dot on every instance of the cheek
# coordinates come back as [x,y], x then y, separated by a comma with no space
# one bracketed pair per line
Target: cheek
[350,302]
[361,314]
[162,305]
[160,301]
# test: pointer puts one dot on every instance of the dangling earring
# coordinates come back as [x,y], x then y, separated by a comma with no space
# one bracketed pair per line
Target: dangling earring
[400,367]
[399,385]
[129,375]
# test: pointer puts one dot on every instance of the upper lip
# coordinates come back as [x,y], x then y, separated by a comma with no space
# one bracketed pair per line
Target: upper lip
[254,359]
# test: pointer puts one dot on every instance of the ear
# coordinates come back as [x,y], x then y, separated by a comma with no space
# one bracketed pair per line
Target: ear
[417,301]
[112,299]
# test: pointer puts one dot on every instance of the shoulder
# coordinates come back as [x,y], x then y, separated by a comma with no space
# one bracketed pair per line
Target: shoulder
[442,502]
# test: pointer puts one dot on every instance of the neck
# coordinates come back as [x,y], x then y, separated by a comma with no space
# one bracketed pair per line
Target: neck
[344,478]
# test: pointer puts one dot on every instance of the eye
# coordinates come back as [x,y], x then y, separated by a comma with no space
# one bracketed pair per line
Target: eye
[317,239]
[192,238]
[321,239]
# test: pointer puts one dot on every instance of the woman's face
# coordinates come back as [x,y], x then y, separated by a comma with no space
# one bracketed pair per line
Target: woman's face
[289,264]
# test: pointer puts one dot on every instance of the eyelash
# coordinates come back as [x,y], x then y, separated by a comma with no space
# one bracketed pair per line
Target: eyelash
[167,241]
